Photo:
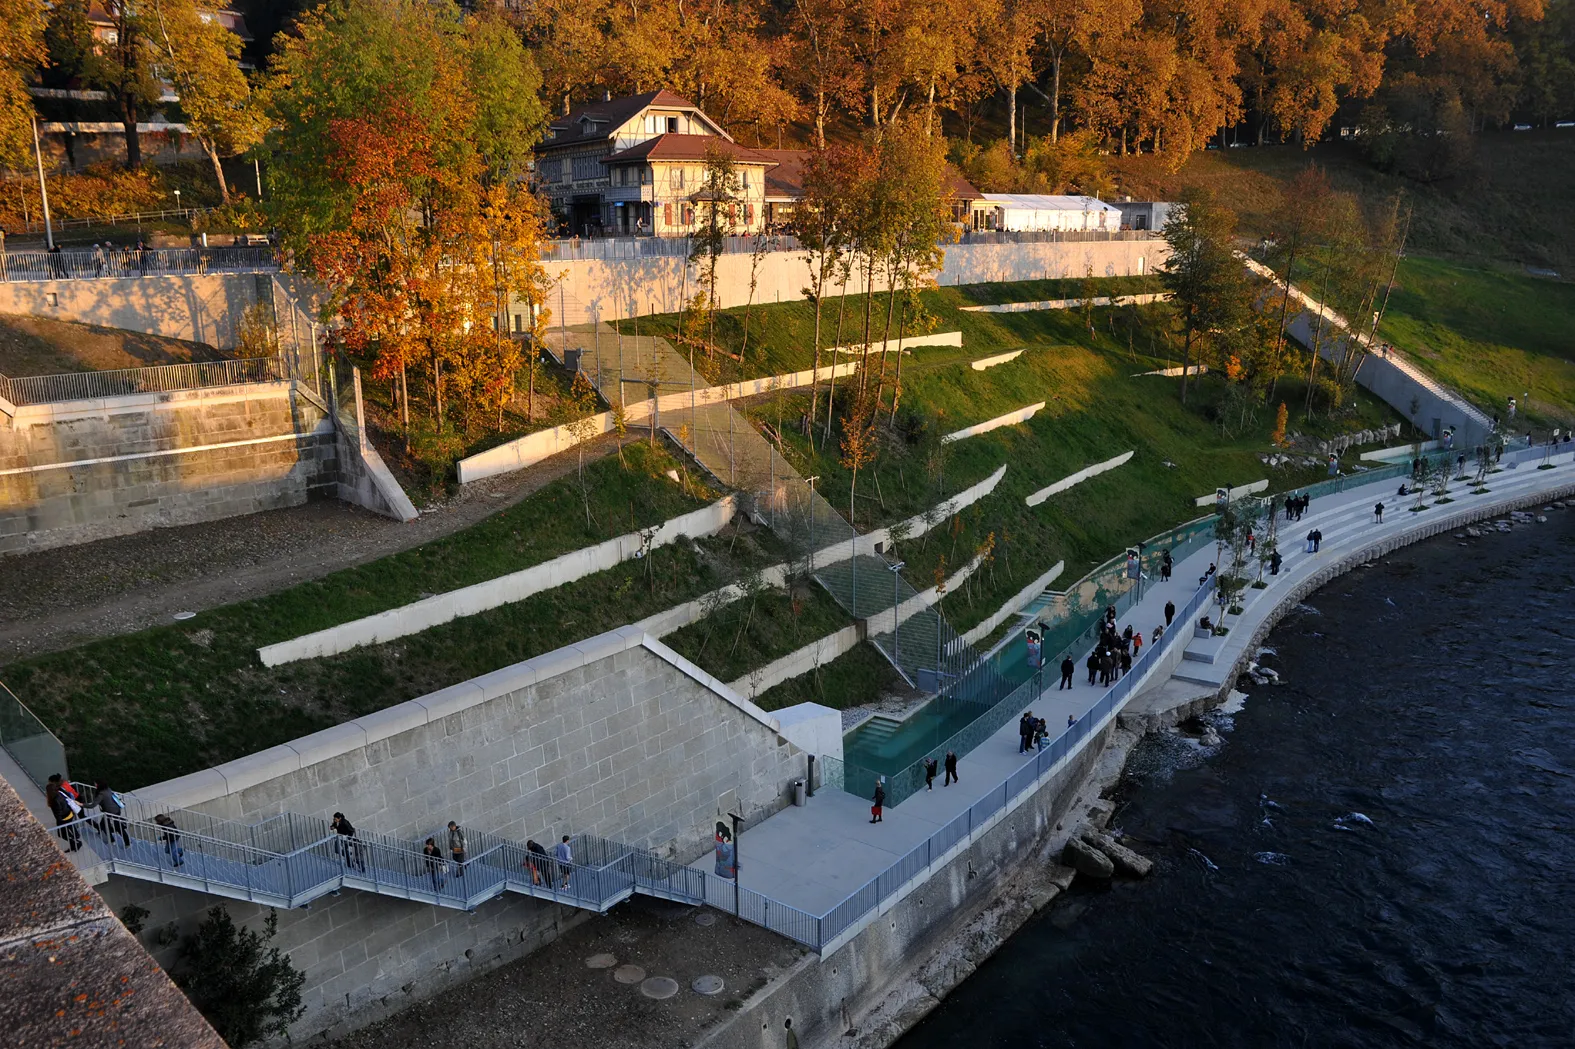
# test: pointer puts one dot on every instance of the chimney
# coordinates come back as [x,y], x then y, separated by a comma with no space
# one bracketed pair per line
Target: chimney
[606,95]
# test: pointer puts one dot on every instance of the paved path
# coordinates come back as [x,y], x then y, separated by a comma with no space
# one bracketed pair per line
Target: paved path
[813,857]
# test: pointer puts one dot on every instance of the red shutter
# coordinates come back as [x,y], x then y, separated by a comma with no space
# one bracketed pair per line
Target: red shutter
[667,214]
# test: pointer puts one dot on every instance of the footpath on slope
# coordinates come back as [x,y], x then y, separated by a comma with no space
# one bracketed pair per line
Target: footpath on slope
[814,857]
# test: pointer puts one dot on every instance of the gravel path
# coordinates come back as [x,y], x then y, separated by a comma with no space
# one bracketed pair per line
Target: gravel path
[55,599]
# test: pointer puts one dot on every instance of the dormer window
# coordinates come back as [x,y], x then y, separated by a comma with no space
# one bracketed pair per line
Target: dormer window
[672,125]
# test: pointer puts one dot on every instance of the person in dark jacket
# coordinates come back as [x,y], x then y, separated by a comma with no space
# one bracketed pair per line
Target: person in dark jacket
[1025,732]
[113,818]
[171,840]
[1068,668]
[1093,665]
[434,861]
[1165,565]
[950,765]
[1170,612]
[880,801]
[347,846]
[67,812]
[535,860]
[1275,560]
[456,846]
[930,768]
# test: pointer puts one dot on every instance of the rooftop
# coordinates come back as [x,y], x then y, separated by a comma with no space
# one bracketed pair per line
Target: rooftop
[1046,202]
[607,115]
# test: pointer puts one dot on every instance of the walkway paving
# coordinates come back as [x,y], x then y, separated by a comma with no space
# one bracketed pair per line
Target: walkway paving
[813,857]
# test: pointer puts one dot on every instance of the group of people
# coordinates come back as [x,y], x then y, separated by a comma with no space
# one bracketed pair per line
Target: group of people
[545,869]
[1296,506]
[1114,654]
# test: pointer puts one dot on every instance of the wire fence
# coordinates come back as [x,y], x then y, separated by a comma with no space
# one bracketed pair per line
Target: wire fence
[119,263]
[616,248]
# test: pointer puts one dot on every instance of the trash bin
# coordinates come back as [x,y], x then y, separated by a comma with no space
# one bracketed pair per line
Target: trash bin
[798,792]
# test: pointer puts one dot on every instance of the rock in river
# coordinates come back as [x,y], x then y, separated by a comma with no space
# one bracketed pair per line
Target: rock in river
[1087,860]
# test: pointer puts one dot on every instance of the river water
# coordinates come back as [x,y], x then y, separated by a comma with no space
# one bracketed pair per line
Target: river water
[1378,854]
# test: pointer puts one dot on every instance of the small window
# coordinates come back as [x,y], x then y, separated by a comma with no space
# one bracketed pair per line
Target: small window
[519,322]
[672,125]
[645,176]
[667,214]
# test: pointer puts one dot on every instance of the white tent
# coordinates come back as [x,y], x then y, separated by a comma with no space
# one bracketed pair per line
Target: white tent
[1034,212]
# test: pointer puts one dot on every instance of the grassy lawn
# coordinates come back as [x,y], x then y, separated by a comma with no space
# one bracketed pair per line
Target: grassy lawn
[751,632]
[172,700]
[1490,334]
[853,678]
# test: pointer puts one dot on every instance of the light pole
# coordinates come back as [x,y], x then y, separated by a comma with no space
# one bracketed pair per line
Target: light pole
[43,191]
[896,571]
[738,865]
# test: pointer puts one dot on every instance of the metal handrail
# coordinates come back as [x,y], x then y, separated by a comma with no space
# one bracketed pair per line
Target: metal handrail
[157,378]
[117,263]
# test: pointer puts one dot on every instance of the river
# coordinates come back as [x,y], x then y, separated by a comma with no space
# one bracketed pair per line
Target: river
[1378,854]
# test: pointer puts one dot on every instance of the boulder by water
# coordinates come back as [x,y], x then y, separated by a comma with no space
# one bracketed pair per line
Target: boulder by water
[1123,859]
[1087,860]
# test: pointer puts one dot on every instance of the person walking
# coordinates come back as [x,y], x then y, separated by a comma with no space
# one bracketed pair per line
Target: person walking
[1275,560]
[347,846]
[456,848]
[1170,612]
[950,765]
[113,814]
[930,768]
[535,860]
[1068,668]
[1093,665]
[434,860]
[1107,668]
[1378,512]
[1041,733]
[565,857]
[67,812]
[171,839]
[879,799]
[1025,732]
[1137,645]
[1317,538]
[1165,565]
[1334,464]
[1126,662]
[1310,541]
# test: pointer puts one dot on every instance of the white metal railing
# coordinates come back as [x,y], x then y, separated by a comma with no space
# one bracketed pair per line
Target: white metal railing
[159,378]
[116,263]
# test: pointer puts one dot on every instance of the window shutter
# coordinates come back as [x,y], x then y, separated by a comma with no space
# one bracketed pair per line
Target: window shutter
[667,214]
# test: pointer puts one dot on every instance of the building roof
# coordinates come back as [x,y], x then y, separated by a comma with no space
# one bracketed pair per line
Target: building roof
[1046,202]
[608,116]
[687,147]
[786,180]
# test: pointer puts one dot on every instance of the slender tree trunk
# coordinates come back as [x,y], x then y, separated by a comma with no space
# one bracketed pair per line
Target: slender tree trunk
[128,120]
[885,335]
[896,388]
[1011,119]
[814,384]
[1312,367]
[869,319]
[1186,360]
[1055,95]
[831,397]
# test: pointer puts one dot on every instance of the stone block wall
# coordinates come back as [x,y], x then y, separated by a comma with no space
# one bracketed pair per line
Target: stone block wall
[76,471]
[616,736]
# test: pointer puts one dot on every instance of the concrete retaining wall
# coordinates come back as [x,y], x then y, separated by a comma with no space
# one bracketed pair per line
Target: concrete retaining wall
[1009,419]
[1014,605]
[199,308]
[365,480]
[516,586]
[533,448]
[608,290]
[1235,493]
[984,363]
[1077,478]
[1070,304]
[615,736]
[75,471]
[816,653]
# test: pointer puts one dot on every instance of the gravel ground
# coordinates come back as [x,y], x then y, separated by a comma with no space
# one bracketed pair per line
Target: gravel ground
[55,599]
[553,998]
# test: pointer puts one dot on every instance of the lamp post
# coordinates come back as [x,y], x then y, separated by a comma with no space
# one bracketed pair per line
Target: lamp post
[896,571]
[738,865]
[43,191]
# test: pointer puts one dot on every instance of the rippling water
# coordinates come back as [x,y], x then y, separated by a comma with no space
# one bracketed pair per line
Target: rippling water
[1379,854]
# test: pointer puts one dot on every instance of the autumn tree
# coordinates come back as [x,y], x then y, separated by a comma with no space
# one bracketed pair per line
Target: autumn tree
[717,198]
[199,55]
[122,64]
[22,49]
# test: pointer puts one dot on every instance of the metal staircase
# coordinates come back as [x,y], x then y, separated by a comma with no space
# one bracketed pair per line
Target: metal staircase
[291,860]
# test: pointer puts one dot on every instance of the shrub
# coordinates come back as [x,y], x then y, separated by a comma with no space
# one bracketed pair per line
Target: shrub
[246,989]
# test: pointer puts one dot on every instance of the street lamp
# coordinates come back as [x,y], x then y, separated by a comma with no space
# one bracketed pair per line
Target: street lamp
[896,571]
[738,864]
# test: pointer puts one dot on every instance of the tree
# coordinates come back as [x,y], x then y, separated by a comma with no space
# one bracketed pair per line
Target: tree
[821,223]
[122,66]
[718,197]
[21,51]
[248,990]
[199,55]
[1010,55]
[1206,281]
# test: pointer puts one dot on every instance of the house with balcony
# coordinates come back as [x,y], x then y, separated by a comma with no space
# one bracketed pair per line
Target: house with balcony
[636,165]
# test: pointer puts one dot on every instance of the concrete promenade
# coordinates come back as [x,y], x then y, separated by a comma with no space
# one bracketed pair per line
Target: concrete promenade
[814,857]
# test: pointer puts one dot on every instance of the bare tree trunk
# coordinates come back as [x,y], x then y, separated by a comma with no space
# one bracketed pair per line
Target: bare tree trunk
[836,344]
[1011,119]
[218,170]
[1055,96]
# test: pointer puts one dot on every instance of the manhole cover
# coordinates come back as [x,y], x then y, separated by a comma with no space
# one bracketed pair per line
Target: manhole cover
[628,974]
[600,961]
[705,918]
[708,985]
[659,987]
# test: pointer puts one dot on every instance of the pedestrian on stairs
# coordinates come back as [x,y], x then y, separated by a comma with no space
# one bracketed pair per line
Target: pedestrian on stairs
[171,840]
[1310,541]
[67,811]
[456,848]
[1378,512]
[565,857]
[535,859]
[434,861]
[1317,538]
[113,810]
[346,844]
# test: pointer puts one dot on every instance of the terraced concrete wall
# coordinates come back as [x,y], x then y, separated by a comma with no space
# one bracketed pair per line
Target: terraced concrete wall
[76,471]
[616,736]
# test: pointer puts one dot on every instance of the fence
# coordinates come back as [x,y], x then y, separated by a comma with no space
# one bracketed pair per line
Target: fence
[30,744]
[130,218]
[119,263]
[160,378]
[619,248]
